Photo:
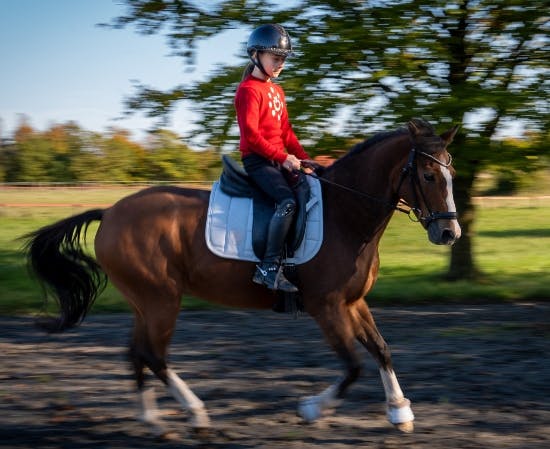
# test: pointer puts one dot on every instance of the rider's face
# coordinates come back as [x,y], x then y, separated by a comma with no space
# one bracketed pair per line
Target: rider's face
[273,64]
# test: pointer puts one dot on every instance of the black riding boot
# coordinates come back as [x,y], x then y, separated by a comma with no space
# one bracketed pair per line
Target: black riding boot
[269,272]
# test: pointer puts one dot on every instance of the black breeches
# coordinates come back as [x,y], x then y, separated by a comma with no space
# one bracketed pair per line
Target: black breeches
[271,180]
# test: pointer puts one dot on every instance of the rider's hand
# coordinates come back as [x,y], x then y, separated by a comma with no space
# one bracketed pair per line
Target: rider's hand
[291,163]
[311,164]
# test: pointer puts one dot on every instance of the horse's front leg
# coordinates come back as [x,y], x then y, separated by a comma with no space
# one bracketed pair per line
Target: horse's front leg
[337,326]
[399,411]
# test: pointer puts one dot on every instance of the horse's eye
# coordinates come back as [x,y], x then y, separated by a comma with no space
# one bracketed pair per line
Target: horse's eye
[429,177]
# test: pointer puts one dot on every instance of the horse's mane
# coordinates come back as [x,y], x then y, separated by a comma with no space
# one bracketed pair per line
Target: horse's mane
[375,139]
[369,143]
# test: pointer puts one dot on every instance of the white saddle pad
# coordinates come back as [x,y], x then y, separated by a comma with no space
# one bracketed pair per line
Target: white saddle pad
[229,226]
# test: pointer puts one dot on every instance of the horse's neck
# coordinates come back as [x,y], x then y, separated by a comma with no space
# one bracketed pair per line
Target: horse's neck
[371,169]
[365,211]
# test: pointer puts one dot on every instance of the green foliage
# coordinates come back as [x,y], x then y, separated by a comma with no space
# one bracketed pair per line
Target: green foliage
[363,66]
[68,154]
[169,159]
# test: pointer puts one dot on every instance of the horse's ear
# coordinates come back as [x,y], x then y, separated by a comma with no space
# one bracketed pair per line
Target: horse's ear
[449,135]
[413,127]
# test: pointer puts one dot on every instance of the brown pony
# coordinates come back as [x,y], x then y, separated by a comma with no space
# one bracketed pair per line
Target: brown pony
[151,245]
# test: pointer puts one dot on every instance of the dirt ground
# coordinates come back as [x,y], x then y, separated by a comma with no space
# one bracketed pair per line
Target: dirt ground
[478,376]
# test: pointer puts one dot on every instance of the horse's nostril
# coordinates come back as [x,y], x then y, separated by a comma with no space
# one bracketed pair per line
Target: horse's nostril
[447,236]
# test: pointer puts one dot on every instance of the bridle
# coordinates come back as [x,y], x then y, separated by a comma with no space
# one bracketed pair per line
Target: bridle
[411,172]
[408,171]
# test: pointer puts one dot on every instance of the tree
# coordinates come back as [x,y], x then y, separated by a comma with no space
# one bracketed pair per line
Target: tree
[168,159]
[43,157]
[365,66]
[67,153]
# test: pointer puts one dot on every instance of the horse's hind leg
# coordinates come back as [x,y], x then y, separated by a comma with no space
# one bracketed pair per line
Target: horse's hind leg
[150,414]
[139,352]
[337,326]
[154,327]
[398,407]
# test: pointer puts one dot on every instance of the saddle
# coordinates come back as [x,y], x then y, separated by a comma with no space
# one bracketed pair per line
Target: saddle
[235,182]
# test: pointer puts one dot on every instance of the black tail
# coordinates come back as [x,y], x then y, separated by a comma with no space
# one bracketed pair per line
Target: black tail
[55,256]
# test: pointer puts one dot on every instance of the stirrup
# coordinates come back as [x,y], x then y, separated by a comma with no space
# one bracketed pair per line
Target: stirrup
[273,278]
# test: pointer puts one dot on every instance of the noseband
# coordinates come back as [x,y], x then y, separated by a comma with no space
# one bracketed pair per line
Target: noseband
[414,213]
[410,171]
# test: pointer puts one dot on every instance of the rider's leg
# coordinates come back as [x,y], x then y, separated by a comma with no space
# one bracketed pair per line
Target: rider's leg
[269,178]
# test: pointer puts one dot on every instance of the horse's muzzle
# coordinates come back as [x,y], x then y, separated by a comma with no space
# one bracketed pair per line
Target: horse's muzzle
[444,232]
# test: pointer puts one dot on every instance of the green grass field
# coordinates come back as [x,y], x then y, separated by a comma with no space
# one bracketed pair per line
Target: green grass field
[510,247]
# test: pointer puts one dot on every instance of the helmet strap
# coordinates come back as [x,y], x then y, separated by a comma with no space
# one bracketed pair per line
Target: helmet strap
[258,63]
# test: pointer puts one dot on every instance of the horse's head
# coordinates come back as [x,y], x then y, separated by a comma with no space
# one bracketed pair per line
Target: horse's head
[430,190]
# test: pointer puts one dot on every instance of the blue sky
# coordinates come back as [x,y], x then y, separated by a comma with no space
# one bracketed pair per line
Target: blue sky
[57,65]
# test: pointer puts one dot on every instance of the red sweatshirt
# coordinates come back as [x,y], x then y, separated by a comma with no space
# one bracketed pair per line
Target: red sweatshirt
[263,121]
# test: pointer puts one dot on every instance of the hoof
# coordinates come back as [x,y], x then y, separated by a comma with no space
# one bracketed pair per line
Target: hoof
[402,417]
[200,422]
[156,427]
[167,437]
[202,433]
[309,410]
[405,427]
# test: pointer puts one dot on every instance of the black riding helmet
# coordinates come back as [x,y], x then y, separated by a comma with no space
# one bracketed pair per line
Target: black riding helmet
[272,38]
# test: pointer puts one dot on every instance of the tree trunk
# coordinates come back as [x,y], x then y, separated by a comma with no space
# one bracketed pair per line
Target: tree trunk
[462,264]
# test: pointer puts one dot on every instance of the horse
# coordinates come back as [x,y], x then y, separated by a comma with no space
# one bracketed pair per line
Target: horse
[151,246]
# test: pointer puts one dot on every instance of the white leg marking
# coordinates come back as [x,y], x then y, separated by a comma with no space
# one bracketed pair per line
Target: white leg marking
[399,408]
[394,395]
[150,413]
[450,199]
[312,407]
[188,400]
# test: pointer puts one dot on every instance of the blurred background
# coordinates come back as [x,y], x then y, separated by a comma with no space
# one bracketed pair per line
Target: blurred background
[134,92]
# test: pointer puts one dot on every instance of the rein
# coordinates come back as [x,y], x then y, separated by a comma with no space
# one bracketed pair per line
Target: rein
[401,205]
